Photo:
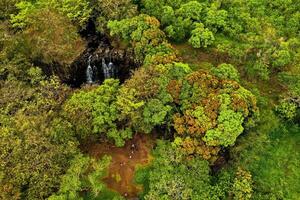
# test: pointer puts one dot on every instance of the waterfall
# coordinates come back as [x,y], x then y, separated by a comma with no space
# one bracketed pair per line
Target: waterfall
[105,69]
[89,71]
[111,67]
[108,70]
[92,71]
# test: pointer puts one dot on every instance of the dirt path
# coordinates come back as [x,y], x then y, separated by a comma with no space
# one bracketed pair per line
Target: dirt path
[124,160]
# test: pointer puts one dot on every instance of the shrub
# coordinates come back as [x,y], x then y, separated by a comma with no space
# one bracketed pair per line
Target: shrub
[226,71]
[201,37]
[287,110]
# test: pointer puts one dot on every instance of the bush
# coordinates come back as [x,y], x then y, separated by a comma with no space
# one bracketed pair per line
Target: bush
[226,71]
[281,58]
[242,185]
[287,110]
[201,37]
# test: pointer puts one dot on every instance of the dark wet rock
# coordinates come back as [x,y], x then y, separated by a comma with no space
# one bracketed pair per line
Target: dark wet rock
[122,59]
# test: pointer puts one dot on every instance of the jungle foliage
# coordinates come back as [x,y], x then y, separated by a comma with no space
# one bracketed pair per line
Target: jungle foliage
[226,130]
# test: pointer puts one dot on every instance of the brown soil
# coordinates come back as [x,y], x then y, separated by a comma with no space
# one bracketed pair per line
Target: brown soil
[136,152]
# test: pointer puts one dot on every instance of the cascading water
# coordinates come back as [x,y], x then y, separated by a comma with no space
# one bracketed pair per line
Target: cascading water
[111,66]
[89,72]
[108,70]
[105,69]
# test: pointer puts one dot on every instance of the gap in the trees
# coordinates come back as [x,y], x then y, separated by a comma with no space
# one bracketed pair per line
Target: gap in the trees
[101,60]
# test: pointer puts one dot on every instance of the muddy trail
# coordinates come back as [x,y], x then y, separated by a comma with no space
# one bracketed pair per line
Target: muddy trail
[136,152]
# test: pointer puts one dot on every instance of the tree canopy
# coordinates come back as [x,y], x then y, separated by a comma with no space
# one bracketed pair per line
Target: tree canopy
[203,101]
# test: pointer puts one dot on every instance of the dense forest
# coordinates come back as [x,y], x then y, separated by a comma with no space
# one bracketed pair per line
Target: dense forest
[149,99]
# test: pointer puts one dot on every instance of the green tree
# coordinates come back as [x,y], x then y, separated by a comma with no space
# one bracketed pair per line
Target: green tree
[178,17]
[35,142]
[191,10]
[78,11]
[201,37]
[143,33]
[226,71]
[216,18]
[171,176]
[228,129]
[113,10]
[7,7]
[204,121]
[287,110]
[242,185]
[292,81]
[84,174]
[107,109]
[281,58]
[155,113]
[51,39]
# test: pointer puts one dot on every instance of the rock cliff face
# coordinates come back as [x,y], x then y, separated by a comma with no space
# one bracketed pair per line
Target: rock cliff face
[122,59]
[100,47]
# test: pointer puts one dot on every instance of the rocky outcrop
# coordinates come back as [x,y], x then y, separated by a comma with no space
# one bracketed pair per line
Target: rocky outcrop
[99,48]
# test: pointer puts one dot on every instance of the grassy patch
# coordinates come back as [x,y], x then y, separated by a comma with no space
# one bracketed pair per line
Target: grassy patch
[106,194]
[271,153]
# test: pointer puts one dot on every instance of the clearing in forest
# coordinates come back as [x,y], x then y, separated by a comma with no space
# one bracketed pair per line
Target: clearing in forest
[136,152]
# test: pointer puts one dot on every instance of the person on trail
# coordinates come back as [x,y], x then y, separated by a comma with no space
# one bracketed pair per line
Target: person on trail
[132,147]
